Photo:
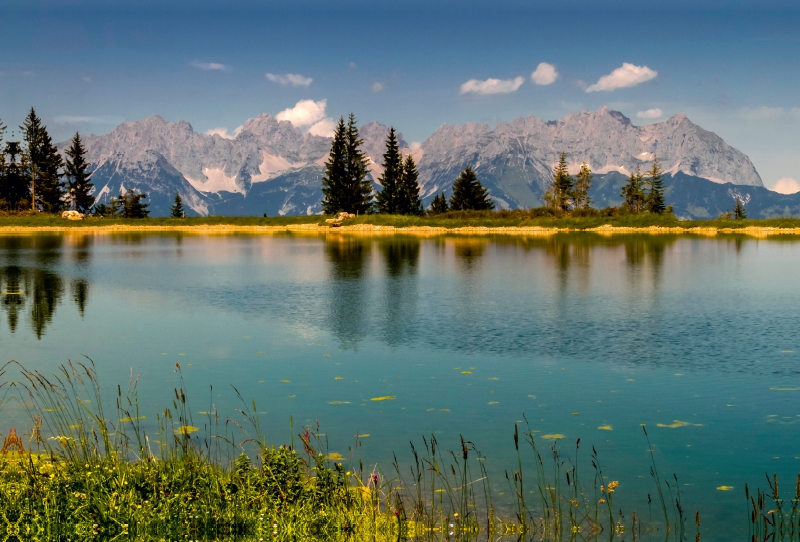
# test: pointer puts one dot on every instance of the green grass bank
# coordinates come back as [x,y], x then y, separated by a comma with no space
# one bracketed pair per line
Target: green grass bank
[452,220]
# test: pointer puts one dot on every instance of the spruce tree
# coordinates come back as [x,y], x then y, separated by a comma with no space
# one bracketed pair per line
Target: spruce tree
[409,202]
[358,187]
[333,180]
[132,205]
[388,199]
[44,163]
[344,183]
[15,189]
[633,193]
[439,205]
[583,183]
[739,212]
[79,188]
[177,208]
[654,202]
[560,196]
[3,168]
[469,194]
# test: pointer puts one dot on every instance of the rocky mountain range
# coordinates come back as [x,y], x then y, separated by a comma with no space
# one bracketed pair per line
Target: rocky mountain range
[273,167]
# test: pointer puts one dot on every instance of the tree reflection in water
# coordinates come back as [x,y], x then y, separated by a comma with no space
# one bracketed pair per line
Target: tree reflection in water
[31,283]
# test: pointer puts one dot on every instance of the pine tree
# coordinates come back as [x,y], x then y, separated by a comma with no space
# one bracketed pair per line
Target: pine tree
[409,202]
[15,189]
[388,199]
[44,163]
[132,206]
[469,194]
[583,183]
[358,187]
[633,193]
[79,188]
[739,212]
[559,196]
[102,210]
[344,183]
[177,208]
[654,202]
[439,205]
[335,171]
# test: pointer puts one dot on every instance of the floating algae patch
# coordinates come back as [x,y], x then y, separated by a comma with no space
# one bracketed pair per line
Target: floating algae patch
[383,398]
[606,428]
[677,423]
[186,429]
[725,488]
[130,419]
[335,456]
[338,402]
[554,436]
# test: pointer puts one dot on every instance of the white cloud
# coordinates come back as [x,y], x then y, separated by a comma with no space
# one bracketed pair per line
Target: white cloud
[492,86]
[626,76]
[650,114]
[323,128]
[415,145]
[353,66]
[223,132]
[304,113]
[73,119]
[293,79]
[545,74]
[210,66]
[86,79]
[764,112]
[377,86]
[787,185]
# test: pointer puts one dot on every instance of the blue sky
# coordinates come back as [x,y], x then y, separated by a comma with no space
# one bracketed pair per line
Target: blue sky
[731,67]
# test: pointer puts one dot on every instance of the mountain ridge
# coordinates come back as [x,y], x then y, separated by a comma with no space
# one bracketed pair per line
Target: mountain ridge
[514,159]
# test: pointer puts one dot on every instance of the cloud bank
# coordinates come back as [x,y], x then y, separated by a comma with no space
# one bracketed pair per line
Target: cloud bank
[102,119]
[223,132]
[377,86]
[210,66]
[628,75]
[293,79]
[311,114]
[492,86]
[769,113]
[655,113]
[787,185]
[545,74]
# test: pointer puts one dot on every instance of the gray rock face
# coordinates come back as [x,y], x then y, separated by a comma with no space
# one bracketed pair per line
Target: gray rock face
[517,157]
[273,160]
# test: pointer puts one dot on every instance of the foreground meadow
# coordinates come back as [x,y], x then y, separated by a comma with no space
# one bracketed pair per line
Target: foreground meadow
[84,472]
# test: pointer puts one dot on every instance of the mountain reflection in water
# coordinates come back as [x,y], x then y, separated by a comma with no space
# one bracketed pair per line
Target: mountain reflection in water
[633,299]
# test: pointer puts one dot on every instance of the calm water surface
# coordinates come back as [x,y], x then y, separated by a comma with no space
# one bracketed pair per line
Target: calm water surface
[587,336]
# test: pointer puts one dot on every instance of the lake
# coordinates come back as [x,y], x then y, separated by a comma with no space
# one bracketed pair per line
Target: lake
[587,336]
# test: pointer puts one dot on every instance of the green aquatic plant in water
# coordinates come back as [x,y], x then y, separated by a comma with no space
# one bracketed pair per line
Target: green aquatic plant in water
[94,476]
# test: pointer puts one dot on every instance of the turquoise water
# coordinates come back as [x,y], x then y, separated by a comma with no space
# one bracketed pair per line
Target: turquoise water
[587,336]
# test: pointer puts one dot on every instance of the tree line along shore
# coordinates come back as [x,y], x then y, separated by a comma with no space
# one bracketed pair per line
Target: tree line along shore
[35,178]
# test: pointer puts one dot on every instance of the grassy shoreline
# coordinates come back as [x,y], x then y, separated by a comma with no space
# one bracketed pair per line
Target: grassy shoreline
[90,471]
[471,223]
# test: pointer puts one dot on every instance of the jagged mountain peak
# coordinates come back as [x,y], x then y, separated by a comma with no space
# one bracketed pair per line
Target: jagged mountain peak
[276,160]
